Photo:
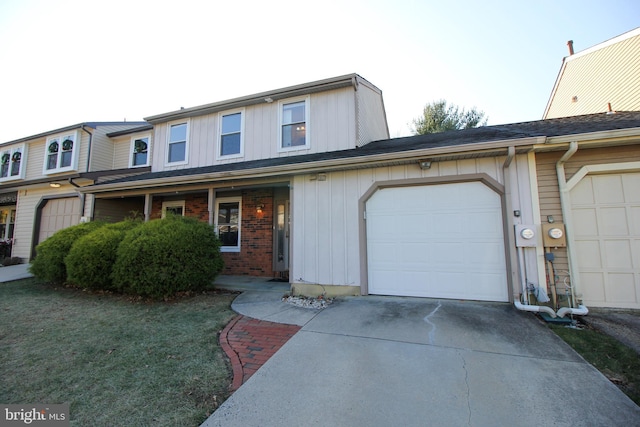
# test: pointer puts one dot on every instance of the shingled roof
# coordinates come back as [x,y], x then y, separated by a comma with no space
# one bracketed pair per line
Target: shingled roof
[467,139]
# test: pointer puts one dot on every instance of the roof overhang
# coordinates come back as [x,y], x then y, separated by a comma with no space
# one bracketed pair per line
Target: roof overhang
[261,98]
[606,138]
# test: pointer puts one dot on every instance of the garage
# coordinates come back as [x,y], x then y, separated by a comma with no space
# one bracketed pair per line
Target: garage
[437,241]
[57,214]
[605,212]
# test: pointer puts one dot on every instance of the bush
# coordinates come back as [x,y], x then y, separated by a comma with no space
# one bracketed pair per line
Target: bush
[91,258]
[165,256]
[48,265]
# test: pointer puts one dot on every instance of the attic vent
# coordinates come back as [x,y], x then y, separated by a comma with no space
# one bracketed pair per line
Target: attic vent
[609,109]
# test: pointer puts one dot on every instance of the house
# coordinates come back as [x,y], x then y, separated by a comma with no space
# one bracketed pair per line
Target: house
[39,176]
[304,183]
[597,79]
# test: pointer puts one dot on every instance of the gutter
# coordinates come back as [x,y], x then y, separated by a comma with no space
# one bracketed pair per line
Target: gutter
[565,204]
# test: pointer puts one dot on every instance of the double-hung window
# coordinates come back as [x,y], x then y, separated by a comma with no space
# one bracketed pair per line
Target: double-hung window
[140,151]
[11,163]
[231,134]
[175,207]
[228,221]
[178,143]
[61,153]
[294,124]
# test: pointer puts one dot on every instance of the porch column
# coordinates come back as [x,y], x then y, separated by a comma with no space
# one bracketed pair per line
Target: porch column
[212,204]
[148,200]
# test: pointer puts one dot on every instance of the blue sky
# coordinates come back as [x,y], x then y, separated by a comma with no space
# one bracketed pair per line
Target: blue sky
[71,61]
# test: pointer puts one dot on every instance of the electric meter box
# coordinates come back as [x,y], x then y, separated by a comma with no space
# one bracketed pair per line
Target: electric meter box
[526,235]
[553,235]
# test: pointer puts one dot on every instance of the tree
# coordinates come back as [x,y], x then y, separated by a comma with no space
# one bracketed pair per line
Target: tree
[438,116]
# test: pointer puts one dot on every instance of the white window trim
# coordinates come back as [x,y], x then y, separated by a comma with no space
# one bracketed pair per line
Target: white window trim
[74,153]
[132,148]
[23,162]
[230,200]
[186,147]
[219,134]
[172,204]
[307,138]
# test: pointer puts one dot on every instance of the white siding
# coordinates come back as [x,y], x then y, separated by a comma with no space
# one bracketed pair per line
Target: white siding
[332,127]
[372,120]
[325,214]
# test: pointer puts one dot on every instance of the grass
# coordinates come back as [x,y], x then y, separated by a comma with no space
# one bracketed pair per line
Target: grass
[619,363]
[117,361]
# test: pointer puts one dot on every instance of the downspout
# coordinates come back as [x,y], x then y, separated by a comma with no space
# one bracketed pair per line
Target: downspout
[82,196]
[566,214]
[88,148]
[511,153]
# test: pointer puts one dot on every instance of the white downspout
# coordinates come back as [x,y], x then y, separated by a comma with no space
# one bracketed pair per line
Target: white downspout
[511,153]
[565,204]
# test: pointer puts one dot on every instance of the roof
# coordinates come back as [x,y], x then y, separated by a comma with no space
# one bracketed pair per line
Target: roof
[591,79]
[482,138]
[265,97]
[71,127]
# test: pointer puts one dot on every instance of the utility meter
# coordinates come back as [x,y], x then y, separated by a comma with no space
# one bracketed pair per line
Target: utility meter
[526,235]
[553,235]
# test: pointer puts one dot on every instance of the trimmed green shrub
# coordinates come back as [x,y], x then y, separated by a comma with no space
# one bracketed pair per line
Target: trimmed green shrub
[165,256]
[48,265]
[91,258]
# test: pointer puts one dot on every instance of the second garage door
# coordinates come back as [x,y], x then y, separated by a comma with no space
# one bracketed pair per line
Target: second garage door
[58,214]
[437,241]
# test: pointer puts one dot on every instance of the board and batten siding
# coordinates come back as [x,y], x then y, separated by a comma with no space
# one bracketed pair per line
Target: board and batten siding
[609,74]
[548,189]
[332,126]
[325,214]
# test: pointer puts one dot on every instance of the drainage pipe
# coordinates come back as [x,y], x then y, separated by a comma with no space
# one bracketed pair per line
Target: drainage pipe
[580,311]
[565,204]
[535,308]
[525,292]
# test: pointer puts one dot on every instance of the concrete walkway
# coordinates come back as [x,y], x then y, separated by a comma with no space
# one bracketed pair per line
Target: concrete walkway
[14,272]
[380,361]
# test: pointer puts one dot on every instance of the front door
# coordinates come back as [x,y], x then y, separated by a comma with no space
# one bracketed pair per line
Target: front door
[281,234]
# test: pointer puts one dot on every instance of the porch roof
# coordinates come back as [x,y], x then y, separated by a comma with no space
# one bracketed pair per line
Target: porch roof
[483,141]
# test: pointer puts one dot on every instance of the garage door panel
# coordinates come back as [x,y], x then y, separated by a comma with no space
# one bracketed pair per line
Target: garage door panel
[450,247]
[607,230]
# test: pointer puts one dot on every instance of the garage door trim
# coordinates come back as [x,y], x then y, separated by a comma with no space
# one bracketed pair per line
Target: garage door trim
[378,185]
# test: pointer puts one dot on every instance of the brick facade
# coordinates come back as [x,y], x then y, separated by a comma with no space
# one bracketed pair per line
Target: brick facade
[256,230]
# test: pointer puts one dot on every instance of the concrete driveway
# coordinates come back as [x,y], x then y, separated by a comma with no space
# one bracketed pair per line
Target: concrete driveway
[387,361]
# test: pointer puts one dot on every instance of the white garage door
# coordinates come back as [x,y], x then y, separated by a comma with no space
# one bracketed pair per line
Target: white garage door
[58,214]
[606,222]
[437,241]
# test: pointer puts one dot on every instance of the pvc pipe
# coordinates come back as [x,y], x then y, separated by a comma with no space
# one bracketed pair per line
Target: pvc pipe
[535,308]
[580,311]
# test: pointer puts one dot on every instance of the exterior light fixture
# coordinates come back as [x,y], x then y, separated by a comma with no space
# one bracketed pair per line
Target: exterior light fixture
[259,208]
[54,185]
[425,164]
[268,100]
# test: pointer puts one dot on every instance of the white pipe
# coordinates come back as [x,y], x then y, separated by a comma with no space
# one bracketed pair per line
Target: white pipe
[535,308]
[580,311]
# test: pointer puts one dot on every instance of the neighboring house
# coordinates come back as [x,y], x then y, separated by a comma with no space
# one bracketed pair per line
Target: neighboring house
[591,80]
[39,176]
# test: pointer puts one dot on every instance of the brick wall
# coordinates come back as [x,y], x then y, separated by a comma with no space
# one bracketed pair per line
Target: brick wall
[256,234]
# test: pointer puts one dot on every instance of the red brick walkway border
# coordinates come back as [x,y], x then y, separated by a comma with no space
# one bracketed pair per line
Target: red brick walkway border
[249,343]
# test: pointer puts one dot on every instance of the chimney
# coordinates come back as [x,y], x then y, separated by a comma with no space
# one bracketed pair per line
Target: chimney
[570,44]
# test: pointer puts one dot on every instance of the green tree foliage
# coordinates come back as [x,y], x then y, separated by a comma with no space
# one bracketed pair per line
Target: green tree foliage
[439,116]
[165,256]
[91,258]
[48,265]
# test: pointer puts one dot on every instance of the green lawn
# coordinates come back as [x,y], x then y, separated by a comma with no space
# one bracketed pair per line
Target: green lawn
[619,363]
[118,361]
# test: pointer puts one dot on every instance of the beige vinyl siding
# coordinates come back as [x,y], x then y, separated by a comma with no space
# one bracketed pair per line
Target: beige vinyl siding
[372,122]
[610,74]
[549,194]
[332,127]
[334,258]
[121,152]
[103,148]
[35,158]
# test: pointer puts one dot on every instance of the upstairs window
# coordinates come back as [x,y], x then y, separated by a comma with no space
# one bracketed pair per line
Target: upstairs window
[177,144]
[61,154]
[228,218]
[294,125]
[140,151]
[230,144]
[11,162]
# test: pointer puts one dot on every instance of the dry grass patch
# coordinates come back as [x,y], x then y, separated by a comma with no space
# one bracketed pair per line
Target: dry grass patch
[115,360]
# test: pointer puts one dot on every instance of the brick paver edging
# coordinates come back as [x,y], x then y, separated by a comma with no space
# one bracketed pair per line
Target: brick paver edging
[249,343]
